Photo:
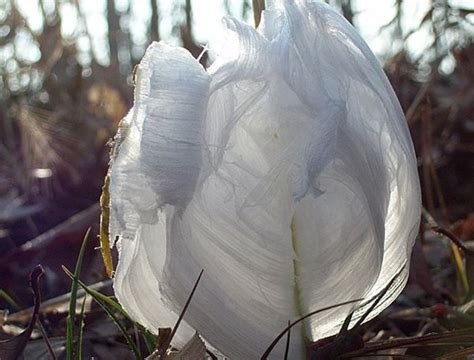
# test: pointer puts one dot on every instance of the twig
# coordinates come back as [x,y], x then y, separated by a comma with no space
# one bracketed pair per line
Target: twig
[453,238]
[410,113]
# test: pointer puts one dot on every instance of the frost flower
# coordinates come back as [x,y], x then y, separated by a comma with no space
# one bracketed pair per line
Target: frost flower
[285,171]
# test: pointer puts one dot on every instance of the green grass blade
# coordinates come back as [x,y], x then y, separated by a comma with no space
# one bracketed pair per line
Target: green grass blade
[150,339]
[81,330]
[104,305]
[9,300]
[137,340]
[73,300]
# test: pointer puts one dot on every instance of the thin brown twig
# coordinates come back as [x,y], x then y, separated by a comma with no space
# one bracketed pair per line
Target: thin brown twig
[426,156]
[453,238]
[420,96]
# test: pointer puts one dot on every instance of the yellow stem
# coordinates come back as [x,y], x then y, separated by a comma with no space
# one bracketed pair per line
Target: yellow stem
[104,227]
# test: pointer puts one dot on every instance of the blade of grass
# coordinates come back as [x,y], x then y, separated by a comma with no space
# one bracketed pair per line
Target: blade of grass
[287,346]
[211,355]
[9,300]
[277,339]
[108,311]
[73,300]
[345,335]
[424,340]
[137,340]
[458,355]
[81,329]
[460,267]
[391,356]
[113,304]
[165,346]
[109,301]
[378,298]
[345,326]
[466,274]
[150,339]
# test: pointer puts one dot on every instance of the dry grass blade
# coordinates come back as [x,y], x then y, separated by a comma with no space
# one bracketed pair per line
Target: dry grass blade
[390,356]
[81,328]
[458,355]
[426,340]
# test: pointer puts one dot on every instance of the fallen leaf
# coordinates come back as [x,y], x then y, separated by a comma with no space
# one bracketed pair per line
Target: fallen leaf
[12,348]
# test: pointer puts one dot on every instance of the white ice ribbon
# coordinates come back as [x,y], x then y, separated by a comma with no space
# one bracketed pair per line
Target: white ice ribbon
[285,171]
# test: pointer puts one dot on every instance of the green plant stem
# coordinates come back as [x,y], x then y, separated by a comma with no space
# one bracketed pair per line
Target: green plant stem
[73,300]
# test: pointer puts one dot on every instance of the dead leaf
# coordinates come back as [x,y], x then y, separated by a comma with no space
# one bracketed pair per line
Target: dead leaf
[12,348]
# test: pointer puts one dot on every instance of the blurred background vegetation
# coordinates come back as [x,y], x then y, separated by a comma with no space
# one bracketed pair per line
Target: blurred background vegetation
[66,69]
